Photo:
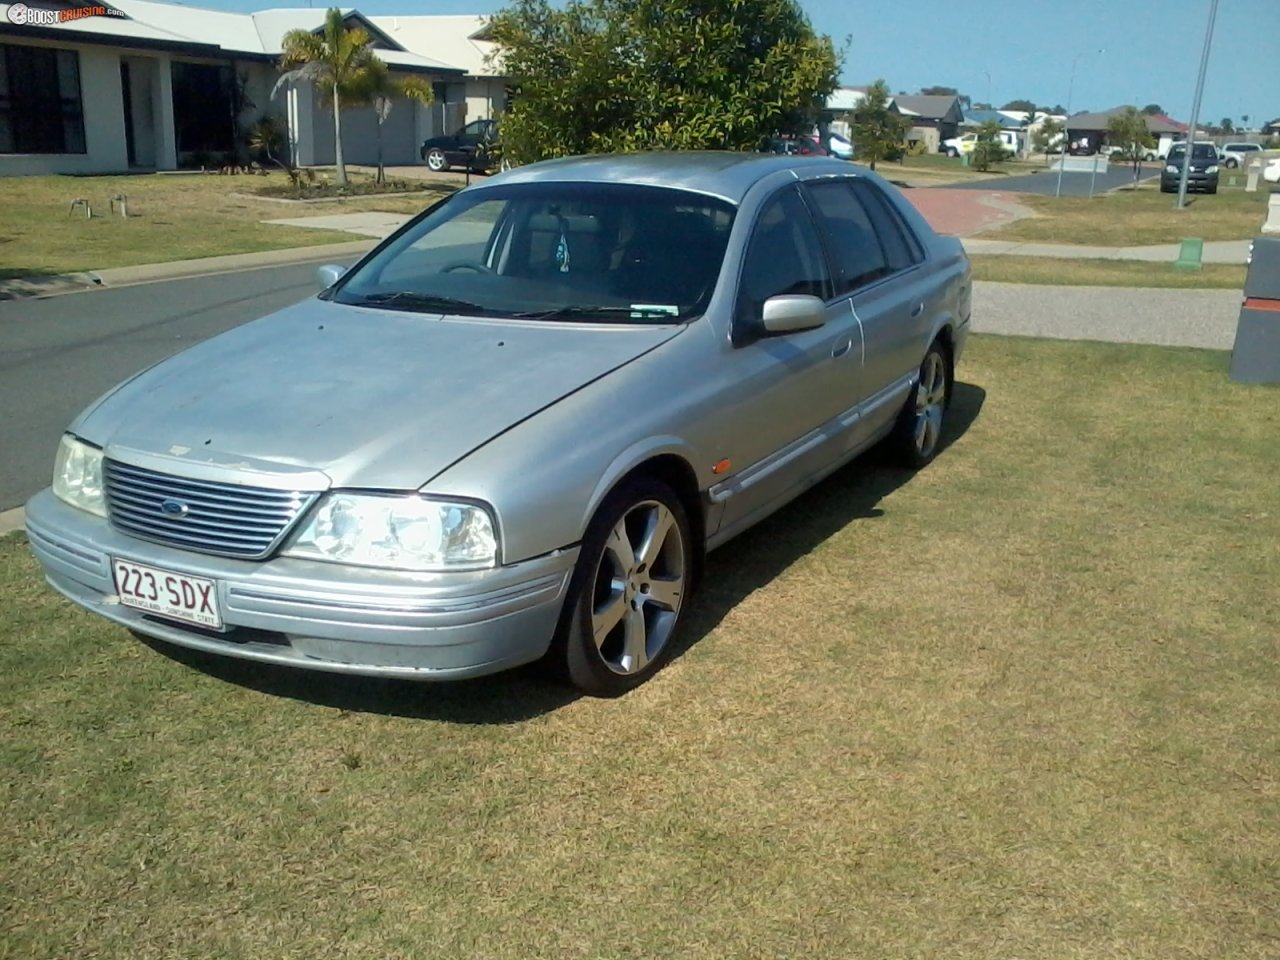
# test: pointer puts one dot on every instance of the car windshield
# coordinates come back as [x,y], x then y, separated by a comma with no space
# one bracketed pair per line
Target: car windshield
[1201,151]
[556,251]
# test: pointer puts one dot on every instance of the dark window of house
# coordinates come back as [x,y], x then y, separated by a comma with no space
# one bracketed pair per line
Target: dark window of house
[203,94]
[40,109]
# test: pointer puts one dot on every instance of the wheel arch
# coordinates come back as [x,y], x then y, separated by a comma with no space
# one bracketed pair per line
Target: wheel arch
[670,460]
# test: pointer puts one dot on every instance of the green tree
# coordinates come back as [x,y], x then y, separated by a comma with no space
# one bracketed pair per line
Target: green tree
[1226,126]
[1153,110]
[376,88]
[596,76]
[1128,130]
[877,128]
[332,61]
[1027,106]
[988,149]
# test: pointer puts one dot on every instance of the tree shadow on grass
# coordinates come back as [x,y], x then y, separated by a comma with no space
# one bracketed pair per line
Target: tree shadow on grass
[732,573]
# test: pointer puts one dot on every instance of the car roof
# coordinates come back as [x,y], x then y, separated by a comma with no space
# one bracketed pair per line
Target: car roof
[718,173]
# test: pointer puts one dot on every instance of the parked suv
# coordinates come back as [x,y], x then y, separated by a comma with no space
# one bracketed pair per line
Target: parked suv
[468,147]
[1202,170]
[1238,154]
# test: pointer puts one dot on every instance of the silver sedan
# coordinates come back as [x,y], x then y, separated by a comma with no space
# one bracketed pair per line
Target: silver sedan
[514,428]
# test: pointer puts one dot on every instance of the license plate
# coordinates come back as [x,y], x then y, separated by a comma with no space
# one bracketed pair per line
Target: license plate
[168,594]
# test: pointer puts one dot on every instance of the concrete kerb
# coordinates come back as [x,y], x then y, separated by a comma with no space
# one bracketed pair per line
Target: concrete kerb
[23,287]
[11,520]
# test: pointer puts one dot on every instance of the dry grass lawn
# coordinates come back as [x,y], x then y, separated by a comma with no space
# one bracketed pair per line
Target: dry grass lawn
[1064,271]
[1020,705]
[1127,218]
[171,217]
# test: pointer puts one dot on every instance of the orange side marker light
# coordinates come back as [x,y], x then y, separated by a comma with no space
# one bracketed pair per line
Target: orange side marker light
[721,467]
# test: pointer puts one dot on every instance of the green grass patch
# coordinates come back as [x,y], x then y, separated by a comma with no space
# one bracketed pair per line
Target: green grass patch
[1069,271]
[171,217]
[1127,218]
[1021,704]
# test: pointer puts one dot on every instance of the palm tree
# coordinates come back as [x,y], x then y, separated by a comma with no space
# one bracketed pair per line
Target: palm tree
[376,88]
[333,61]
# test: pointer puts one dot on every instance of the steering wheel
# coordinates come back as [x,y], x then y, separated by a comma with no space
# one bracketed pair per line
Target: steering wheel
[474,265]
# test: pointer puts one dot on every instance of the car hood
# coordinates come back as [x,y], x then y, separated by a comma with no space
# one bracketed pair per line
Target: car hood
[323,394]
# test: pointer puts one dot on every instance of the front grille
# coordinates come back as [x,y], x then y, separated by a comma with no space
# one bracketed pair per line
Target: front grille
[220,518]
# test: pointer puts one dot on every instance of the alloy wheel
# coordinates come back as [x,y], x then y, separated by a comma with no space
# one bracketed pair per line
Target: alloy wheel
[639,585]
[931,403]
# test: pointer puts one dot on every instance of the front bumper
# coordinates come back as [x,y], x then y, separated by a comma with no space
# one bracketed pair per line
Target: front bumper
[315,615]
[1196,180]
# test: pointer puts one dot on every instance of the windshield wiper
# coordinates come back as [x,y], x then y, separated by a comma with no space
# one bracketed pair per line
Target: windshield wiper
[586,312]
[422,301]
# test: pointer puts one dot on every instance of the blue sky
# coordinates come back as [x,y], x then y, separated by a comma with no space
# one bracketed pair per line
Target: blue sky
[1002,50]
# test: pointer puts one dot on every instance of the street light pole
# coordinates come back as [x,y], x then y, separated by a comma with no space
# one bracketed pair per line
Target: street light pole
[1195,108]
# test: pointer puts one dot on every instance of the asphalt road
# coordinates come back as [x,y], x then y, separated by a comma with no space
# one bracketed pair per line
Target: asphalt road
[1045,182]
[59,354]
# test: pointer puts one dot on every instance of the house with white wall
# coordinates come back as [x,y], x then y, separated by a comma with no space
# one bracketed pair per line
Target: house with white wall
[141,85]
[461,41]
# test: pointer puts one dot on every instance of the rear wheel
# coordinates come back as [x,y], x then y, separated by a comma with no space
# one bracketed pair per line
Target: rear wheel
[437,162]
[918,433]
[628,589]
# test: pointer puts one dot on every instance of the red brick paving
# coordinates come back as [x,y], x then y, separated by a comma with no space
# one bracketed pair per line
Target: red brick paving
[963,212]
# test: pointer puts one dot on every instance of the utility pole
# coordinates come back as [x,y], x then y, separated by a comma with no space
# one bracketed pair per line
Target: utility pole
[1195,108]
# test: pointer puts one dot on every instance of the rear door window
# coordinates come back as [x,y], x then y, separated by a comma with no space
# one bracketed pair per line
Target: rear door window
[860,254]
[901,246]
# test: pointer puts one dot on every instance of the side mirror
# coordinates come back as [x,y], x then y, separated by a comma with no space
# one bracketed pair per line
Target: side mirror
[329,274]
[791,312]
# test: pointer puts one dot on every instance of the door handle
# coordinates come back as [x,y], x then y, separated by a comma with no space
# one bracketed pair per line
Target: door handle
[841,348]
[917,310]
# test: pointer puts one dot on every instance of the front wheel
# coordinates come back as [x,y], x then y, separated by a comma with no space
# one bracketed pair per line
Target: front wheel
[1232,163]
[628,589]
[918,432]
[437,162]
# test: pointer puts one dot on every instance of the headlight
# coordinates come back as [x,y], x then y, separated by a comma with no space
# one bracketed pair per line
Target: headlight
[1212,168]
[1170,168]
[401,532]
[77,475]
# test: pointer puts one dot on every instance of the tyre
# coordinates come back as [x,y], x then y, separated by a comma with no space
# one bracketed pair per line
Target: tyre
[1213,189]
[437,162]
[633,576]
[1231,163]
[918,433]
[952,152]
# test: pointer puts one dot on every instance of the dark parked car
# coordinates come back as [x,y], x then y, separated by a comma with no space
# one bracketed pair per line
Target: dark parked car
[469,147]
[1202,171]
